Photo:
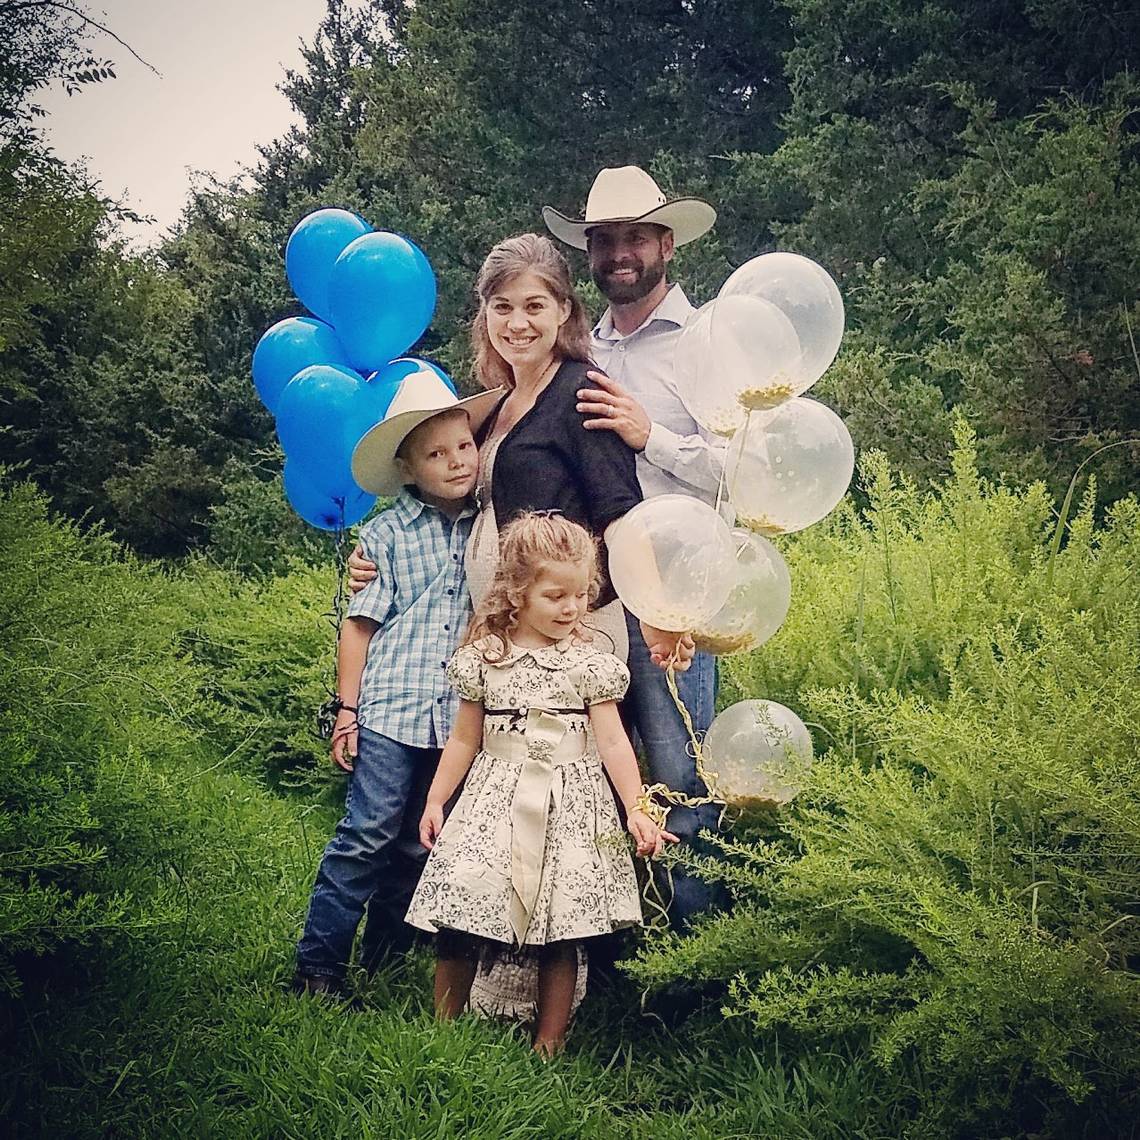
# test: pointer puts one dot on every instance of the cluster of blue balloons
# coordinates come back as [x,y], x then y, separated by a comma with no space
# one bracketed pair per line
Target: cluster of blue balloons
[330,377]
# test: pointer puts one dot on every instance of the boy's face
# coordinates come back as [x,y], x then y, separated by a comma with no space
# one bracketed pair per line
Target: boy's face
[440,458]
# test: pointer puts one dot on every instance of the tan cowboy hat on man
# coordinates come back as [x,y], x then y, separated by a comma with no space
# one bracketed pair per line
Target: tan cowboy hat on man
[628,194]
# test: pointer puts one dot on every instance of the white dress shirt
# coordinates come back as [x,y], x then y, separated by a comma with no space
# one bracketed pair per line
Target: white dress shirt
[680,457]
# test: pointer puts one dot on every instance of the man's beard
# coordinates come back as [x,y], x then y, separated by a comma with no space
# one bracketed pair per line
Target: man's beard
[652,274]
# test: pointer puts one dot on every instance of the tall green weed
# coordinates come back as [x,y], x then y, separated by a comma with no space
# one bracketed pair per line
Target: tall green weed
[93,696]
[957,886]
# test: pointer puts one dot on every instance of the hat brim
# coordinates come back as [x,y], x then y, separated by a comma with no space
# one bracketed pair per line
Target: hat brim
[374,458]
[688,218]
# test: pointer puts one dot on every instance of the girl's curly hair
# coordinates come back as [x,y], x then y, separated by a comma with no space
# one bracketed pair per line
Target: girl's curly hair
[525,545]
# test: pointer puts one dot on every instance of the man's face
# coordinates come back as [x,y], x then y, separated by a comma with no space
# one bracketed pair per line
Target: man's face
[627,259]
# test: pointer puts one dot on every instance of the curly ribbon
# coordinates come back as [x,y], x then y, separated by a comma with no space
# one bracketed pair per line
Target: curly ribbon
[652,795]
[649,800]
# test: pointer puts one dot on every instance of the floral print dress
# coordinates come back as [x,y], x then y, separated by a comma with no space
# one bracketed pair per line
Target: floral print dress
[533,851]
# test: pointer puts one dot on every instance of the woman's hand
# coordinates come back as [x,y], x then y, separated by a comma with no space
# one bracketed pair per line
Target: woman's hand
[344,739]
[360,570]
[431,823]
[663,644]
[649,837]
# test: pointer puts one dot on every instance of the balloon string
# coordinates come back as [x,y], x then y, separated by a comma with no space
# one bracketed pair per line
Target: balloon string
[720,489]
[326,714]
[652,794]
[657,903]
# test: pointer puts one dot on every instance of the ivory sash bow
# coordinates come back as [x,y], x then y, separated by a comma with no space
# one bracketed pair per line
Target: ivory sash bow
[545,745]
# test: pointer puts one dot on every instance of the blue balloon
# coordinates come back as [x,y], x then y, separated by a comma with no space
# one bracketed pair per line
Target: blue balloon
[316,242]
[322,415]
[286,348]
[320,510]
[381,296]
[404,366]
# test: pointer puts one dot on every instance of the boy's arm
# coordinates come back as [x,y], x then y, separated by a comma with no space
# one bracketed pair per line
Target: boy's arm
[621,765]
[462,745]
[352,652]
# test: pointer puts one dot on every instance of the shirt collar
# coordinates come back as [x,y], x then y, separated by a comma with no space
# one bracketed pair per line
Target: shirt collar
[408,507]
[675,309]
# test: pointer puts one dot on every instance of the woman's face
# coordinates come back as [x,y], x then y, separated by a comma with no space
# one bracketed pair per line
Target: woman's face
[523,319]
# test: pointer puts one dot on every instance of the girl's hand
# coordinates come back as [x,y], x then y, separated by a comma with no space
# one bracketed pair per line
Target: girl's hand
[650,838]
[344,739]
[431,823]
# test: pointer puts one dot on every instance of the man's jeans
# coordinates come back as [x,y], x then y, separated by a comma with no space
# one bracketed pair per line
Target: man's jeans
[649,707]
[374,859]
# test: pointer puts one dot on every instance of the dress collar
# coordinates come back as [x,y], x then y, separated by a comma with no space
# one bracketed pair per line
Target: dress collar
[561,655]
[675,309]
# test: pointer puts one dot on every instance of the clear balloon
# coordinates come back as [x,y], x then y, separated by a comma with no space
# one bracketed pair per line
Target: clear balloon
[672,561]
[788,468]
[321,510]
[805,293]
[690,353]
[758,603]
[322,415]
[316,242]
[760,751]
[286,348]
[750,361]
[382,296]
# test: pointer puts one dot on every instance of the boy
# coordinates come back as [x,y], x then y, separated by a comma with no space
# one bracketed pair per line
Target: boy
[395,702]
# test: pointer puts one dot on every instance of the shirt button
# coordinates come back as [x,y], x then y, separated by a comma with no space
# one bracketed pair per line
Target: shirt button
[439,700]
[455,557]
[447,627]
[443,664]
[450,591]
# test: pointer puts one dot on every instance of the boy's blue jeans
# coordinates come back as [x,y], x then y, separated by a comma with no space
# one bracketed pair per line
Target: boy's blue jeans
[649,707]
[374,860]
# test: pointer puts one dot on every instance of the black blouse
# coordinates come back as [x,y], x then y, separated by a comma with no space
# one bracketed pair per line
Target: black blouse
[549,461]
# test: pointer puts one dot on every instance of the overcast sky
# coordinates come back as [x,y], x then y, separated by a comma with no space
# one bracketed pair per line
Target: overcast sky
[220,63]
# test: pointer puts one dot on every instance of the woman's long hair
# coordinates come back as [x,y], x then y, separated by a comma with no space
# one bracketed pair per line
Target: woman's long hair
[525,544]
[535,254]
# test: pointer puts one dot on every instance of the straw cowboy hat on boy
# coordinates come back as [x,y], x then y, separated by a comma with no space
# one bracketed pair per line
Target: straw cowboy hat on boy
[421,395]
[628,194]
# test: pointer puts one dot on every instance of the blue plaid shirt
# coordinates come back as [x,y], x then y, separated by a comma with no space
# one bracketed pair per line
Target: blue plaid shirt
[420,600]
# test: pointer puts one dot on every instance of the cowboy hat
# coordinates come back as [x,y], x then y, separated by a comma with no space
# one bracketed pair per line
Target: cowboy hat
[628,194]
[421,395]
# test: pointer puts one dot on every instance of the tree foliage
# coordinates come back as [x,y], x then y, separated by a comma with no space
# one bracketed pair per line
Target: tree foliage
[972,186]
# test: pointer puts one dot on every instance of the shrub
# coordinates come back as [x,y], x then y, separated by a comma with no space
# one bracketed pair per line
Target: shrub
[956,888]
[94,694]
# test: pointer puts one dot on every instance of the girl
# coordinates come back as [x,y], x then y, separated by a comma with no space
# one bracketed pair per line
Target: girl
[532,856]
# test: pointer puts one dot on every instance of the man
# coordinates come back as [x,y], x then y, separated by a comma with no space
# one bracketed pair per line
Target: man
[629,232]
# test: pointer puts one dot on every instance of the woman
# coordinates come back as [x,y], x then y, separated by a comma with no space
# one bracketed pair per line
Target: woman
[532,337]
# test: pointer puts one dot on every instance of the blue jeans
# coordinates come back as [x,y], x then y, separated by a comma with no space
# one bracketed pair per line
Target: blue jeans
[373,860]
[650,710]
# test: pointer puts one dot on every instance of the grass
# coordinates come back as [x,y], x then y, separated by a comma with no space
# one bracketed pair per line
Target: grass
[189,1031]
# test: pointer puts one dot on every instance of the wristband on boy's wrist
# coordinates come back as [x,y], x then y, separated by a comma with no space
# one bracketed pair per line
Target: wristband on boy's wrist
[337,705]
